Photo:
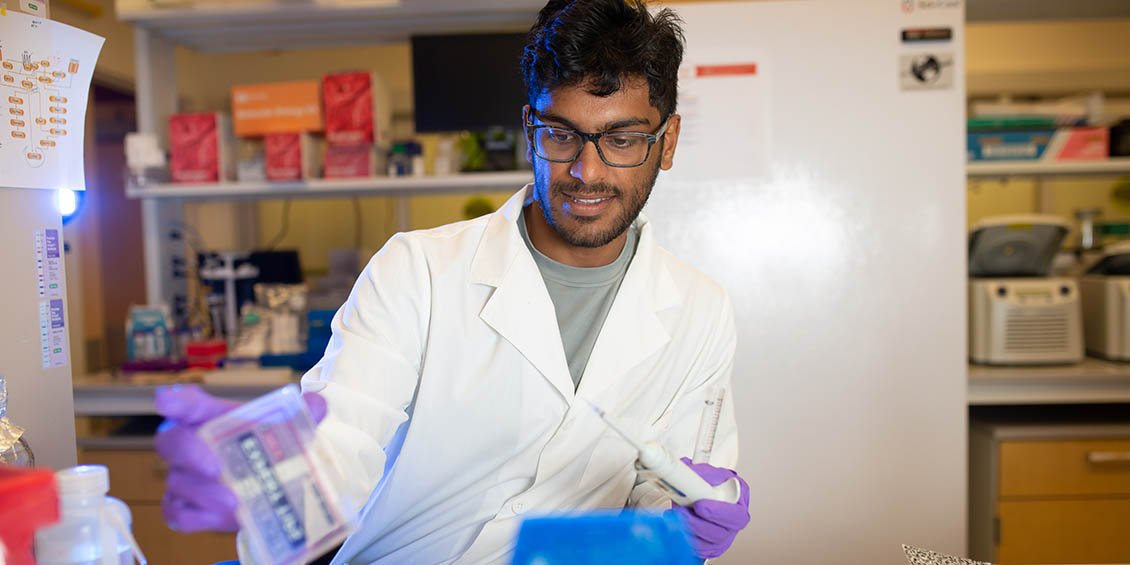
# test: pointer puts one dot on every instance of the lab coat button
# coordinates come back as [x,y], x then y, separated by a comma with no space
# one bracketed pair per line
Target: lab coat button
[565,427]
[518,507]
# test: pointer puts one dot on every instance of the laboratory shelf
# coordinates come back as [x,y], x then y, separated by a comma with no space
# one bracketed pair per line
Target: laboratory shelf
[509,181]
[256,25]
[1094,381]
[1115,166]
[101,395]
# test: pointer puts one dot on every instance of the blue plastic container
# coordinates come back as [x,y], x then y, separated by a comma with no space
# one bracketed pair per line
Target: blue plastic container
[624,538]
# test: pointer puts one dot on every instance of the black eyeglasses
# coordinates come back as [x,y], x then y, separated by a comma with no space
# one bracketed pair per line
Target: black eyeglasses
[616,148]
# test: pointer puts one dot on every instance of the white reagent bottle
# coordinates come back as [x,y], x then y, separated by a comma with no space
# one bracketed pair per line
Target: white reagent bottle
[93,529]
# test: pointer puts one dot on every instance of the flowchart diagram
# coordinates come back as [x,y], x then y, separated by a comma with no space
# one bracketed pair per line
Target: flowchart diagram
[45,73]
[35,91]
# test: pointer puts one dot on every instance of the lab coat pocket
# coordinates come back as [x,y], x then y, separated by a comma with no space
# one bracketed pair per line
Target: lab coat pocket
[610,474]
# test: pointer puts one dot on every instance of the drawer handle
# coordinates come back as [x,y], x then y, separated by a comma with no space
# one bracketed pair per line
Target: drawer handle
[1101,457]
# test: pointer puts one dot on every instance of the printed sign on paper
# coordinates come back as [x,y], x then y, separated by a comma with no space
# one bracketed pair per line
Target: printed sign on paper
[48,264]
[45,71]
[52,334]
[724,104]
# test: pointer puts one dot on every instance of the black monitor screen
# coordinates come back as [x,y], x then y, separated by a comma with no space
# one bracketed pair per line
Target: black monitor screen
[468,82]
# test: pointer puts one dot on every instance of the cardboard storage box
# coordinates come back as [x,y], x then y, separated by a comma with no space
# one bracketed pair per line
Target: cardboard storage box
[290,156]
[200,147]
[357,108]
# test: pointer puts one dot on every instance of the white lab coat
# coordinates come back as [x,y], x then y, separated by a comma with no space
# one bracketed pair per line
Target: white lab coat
[450,399]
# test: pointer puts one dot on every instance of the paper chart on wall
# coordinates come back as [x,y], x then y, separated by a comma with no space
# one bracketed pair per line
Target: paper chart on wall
[45,72]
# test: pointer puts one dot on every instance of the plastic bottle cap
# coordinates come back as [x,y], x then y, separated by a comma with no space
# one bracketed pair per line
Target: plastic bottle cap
[83,480]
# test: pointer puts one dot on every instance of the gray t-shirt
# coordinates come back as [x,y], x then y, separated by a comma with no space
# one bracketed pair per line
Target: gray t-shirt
[582,297]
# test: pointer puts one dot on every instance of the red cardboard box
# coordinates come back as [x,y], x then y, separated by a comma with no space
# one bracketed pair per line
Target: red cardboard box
[199,146]
[350,162]
[357,109]
[290,156]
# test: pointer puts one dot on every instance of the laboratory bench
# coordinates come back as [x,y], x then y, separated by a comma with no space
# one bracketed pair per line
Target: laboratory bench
[1049,463]
[1049,458]
[1093,381]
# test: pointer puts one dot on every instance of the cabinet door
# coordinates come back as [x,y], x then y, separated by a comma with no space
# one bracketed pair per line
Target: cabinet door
[1064,531]
[203,548]
[1065,467]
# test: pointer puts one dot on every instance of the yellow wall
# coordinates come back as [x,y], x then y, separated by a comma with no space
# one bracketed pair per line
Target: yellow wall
[1048,56]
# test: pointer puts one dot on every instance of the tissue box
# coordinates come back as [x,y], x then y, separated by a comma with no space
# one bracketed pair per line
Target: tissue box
[290,156]
[251,163]
[357,109]
[200,147]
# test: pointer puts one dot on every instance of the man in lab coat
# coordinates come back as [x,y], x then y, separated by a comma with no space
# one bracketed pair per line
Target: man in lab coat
[457,377]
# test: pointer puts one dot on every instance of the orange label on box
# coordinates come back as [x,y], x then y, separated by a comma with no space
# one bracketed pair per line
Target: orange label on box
[259,109]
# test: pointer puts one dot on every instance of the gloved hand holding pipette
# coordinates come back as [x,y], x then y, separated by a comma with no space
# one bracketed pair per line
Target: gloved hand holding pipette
[713,502]
[714,524]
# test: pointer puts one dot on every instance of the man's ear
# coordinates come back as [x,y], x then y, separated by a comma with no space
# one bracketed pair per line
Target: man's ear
[670,140]
[526,129]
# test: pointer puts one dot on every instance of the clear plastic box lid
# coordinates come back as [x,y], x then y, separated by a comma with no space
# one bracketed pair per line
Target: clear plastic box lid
[1015,246]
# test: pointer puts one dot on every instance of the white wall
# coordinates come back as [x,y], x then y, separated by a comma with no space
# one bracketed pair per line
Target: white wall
[847,269]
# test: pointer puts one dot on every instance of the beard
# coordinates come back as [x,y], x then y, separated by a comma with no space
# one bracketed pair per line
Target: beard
[583,231]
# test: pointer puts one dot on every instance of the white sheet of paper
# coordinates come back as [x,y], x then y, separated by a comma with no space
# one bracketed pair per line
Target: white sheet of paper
[724,102]
[45,72]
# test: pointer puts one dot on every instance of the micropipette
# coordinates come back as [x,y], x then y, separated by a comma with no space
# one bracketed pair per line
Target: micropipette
[708,426]
[681,482]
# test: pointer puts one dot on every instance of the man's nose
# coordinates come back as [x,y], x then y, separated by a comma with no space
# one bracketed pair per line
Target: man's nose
[588,167]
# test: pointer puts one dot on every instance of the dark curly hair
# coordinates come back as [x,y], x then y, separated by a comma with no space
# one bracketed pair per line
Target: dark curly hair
[600,44]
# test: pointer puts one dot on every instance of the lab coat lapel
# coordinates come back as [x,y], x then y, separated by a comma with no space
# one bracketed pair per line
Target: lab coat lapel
[520,309]
[632,331]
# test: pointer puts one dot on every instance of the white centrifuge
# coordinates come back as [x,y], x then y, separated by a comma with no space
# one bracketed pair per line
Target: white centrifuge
[1018,314]
[1106,304]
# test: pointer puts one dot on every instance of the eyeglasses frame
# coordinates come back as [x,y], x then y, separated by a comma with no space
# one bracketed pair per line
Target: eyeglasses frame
[586,137]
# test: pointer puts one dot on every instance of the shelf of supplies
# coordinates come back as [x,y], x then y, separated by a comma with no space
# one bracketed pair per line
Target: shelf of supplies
[1115,166]
[322,188]
[256,25]
[1093,381]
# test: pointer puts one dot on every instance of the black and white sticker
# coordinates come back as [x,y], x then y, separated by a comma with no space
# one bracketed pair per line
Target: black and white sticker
[926,71]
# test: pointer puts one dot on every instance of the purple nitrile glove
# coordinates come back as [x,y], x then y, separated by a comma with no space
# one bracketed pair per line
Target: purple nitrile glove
[713,525]
[195,498]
